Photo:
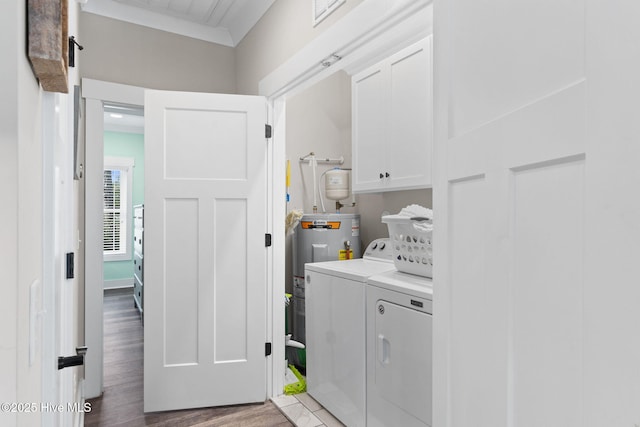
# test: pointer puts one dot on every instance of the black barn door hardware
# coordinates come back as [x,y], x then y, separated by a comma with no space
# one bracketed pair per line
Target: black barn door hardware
[77,360]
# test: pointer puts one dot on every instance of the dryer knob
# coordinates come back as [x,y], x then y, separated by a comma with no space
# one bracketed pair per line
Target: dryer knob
[381,309]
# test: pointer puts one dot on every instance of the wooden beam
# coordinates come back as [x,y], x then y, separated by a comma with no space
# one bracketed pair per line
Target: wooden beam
[48,45]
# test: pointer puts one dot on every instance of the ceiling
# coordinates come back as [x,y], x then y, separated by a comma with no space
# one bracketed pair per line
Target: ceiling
[225,22]
[123,118]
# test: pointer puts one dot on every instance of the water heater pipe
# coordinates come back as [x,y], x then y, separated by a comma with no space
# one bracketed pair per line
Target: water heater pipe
[313,162]
[323,160]
[320,192]
[314,165]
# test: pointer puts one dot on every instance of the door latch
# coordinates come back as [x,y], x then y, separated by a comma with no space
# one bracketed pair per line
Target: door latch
[77,360]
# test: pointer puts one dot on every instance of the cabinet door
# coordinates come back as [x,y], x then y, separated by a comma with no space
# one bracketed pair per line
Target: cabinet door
[369,97]
[410,121]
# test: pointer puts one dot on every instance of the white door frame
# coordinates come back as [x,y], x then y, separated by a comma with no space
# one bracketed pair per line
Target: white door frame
[370,32]
[96,93]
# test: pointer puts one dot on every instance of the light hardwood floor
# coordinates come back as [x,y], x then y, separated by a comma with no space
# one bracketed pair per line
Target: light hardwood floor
[121,403]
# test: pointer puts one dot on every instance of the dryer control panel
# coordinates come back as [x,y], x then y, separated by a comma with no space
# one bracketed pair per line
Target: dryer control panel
[379,250]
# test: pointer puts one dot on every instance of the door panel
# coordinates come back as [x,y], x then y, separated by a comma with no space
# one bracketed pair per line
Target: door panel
[230,321]
[512,139]
[536,234]
[477,357]
[410,132]
[547,309]
[402,371]
[188,144]
[369,133]
[181,311]
[510,55]
[205,259]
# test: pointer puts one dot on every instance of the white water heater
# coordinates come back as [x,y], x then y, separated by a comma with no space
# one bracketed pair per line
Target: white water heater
[317,238]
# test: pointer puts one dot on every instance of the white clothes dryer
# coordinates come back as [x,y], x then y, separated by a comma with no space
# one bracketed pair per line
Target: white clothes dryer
[399,350]
[335,328]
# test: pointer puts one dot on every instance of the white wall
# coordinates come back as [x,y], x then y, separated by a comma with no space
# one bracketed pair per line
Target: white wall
[23,215]
[121,52]
[281,32]
[11,24]
[319,120]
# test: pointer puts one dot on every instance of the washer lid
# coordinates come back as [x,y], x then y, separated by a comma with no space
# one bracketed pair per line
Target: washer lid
[404,282]
[353,269]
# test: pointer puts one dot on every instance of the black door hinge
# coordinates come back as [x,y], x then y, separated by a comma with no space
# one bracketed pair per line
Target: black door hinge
[267,240]
[267,349]
[267,131]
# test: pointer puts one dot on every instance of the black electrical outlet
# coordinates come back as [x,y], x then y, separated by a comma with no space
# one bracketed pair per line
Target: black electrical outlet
[70,265]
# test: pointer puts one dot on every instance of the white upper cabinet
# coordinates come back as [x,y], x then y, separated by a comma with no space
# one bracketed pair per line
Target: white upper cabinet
[392,122]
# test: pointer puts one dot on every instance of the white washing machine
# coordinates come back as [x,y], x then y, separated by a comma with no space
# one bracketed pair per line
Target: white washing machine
[335,329]
[399,348]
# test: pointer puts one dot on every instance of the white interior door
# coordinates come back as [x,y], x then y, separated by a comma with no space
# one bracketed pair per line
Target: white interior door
[536,298]
[205,257]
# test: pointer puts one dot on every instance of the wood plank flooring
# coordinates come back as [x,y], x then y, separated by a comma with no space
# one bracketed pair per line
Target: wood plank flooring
[122,401]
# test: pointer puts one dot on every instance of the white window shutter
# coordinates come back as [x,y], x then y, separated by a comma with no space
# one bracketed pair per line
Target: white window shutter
[112,204]
[117,209]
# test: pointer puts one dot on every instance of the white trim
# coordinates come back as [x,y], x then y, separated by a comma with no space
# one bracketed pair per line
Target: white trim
[118,283]
[119,162]
[276,278]
[96,93]
[110,127]
[49,296]
[112,92]
[151,19]
[318,18]
[94,260]
[372,30]
[244,16]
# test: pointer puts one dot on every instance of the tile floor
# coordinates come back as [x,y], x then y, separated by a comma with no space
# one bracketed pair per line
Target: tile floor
[303,411]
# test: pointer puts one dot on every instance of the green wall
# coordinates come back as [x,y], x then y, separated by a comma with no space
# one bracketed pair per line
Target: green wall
[118,144]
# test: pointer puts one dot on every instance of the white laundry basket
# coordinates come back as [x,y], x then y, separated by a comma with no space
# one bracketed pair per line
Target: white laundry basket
[412,248]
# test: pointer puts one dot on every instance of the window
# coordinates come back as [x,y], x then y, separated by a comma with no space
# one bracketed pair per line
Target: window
[324,8]
[117,209]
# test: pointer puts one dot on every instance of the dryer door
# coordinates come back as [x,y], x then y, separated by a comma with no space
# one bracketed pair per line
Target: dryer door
[403,341]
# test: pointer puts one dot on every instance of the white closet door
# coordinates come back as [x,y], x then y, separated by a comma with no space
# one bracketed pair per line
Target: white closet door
[370,108]
[205,256]
[536,301]
[410,133]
